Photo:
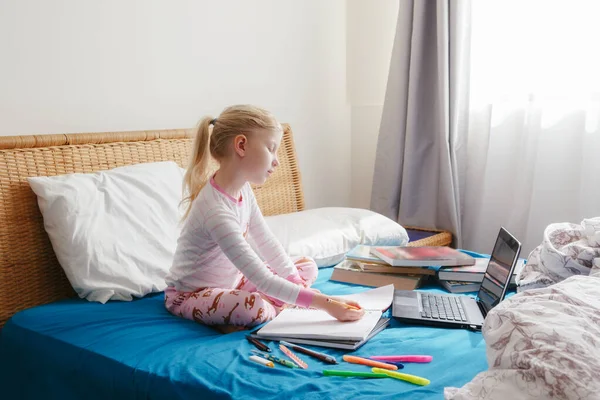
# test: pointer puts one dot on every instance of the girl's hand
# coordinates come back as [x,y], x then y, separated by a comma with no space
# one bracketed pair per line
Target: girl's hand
[343,310]
[351,303]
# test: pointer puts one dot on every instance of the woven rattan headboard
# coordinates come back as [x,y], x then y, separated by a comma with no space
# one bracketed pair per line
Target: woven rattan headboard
[29,272]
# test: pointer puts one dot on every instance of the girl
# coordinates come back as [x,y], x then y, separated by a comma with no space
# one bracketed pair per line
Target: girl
[217,278]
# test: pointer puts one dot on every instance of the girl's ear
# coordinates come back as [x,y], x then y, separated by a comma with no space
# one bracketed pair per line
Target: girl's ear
[240,142]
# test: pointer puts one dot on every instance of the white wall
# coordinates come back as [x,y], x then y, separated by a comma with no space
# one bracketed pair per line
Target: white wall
[86,65]
[92,66]
[371,27]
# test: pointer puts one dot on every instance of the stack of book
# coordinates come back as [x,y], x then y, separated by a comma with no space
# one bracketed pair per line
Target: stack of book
[404,267]
[468,278]
[408,267]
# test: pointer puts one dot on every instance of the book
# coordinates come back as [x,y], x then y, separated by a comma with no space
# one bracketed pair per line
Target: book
[473,273]
[389,269]
[368,262]
[422,256]
[336,344]
[349,271]
[363,253]
[294,324]
[460,287]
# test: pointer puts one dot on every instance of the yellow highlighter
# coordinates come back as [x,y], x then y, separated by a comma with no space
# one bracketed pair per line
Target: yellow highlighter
[417,380]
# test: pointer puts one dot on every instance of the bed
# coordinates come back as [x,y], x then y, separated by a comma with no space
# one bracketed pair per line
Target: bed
[55,345]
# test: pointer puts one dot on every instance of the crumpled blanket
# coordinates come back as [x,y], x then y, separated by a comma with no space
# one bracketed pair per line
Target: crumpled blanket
[567,249]
[544,342]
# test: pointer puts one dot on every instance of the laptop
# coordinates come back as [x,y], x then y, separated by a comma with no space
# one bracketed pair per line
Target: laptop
[461,311]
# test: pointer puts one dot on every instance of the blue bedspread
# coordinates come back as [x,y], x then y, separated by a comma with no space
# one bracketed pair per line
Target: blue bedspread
[75,349]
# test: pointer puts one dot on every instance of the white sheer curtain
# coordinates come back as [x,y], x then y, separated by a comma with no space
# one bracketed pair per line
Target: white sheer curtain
[533,140]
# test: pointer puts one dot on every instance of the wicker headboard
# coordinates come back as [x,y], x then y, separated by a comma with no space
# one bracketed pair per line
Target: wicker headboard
[29,272]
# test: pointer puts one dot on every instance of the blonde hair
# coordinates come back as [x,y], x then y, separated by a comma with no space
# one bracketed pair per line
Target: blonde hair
[234,120]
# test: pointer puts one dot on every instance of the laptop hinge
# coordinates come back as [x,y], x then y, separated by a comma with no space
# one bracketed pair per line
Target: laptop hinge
[481,308]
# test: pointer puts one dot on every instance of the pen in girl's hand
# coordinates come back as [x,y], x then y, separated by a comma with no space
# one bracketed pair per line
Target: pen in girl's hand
[257,343]
[348,306]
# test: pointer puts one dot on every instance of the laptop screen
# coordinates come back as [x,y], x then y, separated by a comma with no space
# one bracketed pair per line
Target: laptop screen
[499,270]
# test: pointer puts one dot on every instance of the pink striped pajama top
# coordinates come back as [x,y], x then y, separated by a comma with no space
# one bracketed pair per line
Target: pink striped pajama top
[213,251]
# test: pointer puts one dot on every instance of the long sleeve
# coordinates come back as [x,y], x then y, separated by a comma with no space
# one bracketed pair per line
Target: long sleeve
[225,230]
[269,247]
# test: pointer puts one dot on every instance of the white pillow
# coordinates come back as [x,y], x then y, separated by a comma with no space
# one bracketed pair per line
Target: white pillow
[114,232]
[327,234]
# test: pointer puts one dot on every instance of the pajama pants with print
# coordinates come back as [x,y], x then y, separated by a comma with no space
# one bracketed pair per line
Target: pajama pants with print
[241,306]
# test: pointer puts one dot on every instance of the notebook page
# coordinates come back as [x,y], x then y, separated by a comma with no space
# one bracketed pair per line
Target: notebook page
[317,324]
[374,299]
[305,323]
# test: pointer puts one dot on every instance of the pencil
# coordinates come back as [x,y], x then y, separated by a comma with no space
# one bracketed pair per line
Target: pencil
[321,356]
[348,306]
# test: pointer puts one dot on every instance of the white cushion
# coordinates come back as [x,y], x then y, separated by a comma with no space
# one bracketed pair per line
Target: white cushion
[327,234]
[114,232]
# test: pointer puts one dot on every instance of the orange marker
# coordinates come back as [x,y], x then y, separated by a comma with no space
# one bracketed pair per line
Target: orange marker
[370,363]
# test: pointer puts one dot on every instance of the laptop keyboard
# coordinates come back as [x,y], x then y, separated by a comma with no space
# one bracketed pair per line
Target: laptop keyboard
[445,308]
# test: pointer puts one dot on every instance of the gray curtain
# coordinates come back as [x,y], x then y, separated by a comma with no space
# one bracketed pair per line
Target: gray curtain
[419,164]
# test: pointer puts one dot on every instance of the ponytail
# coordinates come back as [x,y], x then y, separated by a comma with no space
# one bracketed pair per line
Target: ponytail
[197,172]
[216,145]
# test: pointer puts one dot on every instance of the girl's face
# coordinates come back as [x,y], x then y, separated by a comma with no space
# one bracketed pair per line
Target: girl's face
[261,155]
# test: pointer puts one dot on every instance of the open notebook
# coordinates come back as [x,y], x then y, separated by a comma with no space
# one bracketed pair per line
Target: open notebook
[311,326]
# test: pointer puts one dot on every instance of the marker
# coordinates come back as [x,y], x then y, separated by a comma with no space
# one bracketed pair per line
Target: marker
[417,380]
[258,344]
[294,357]
[262,361]
[406,359]
[348,306]
[330,372]
[320,356]
[366,361]
[275,359]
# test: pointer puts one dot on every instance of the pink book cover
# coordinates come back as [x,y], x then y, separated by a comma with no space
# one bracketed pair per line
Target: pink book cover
[423,256]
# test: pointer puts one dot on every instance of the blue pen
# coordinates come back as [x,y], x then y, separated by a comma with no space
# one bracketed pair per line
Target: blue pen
[397,364]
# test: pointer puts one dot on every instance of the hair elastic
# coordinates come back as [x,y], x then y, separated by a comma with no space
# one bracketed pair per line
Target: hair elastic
[213,121]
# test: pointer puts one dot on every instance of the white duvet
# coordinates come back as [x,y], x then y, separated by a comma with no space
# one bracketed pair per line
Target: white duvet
[544,342]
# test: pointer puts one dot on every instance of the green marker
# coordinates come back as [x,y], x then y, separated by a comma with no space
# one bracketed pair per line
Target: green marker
[417,380]
[271,357]
[331,372]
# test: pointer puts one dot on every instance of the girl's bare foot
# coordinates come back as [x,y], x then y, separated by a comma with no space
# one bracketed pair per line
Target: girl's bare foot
[278,308]
[229,328]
